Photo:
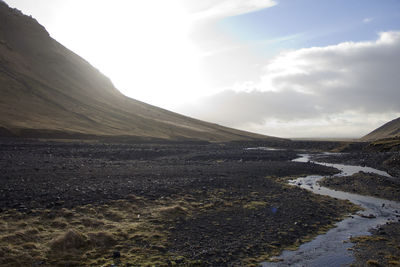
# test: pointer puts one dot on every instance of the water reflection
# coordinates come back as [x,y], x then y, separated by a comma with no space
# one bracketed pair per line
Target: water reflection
[331,249]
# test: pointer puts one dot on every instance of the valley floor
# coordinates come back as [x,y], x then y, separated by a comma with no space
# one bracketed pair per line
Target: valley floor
[382,247]
[89,203]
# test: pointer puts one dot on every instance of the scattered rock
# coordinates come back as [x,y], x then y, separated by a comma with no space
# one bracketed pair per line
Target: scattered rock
[369,216]
[116,255]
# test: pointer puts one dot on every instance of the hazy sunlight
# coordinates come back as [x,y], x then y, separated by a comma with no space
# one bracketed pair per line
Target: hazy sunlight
[142,45]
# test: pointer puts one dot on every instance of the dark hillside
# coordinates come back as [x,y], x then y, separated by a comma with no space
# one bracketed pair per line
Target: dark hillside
[47,90]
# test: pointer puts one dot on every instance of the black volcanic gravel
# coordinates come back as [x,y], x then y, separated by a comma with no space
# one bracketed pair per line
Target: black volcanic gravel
[38,174]
[242,209]
[386,161]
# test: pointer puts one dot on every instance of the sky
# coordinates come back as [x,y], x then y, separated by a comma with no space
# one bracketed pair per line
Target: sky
[288,68]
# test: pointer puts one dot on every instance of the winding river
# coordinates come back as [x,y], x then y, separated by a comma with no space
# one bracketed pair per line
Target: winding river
[332,248]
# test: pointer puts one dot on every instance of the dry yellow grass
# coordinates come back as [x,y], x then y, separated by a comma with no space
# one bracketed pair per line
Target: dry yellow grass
[89,235]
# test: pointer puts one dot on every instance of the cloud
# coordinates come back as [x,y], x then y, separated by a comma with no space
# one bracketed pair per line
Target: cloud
[353,86]
[206,9]
[367,20]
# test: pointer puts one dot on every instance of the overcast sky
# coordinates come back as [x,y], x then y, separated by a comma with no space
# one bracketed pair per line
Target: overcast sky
[289,68]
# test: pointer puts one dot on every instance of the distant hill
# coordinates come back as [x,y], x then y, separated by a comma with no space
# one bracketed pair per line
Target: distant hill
[48,91]
[388,130]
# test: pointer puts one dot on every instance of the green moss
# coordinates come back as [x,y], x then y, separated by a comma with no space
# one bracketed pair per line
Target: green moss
[255,205]
[373,263]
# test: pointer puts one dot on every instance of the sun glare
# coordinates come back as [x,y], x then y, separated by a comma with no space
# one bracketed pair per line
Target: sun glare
[143,46]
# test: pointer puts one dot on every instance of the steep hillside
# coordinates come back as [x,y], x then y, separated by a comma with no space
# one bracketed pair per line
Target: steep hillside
[47,90]
[388,130]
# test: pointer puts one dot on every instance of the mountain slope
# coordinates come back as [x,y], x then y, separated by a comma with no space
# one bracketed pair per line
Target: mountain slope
[388,130]
[47,90]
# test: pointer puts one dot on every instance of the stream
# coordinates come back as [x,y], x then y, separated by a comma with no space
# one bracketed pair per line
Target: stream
[332,248]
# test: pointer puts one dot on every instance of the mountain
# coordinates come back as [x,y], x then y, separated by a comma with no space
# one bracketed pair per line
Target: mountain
[47,90]
[388,130]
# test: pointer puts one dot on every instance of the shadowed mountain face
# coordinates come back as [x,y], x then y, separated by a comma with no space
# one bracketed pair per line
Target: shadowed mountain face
[388,130]
[48,91]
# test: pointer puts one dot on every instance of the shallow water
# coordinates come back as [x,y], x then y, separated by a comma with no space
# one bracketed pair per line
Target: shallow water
[331,249]
[265,148]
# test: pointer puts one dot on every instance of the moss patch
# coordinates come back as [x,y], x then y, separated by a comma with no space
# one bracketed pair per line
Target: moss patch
[382,248]
[388,144]
[245,229]
[89,235]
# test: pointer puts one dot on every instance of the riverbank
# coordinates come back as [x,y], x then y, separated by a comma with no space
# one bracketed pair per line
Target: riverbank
[381,246]
[385,161]
[368,184]
[144,204]
[333,248]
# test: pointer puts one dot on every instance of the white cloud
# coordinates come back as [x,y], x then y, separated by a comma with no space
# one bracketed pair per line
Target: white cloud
[225,8]
[349,68]
[368,20]
[344,89]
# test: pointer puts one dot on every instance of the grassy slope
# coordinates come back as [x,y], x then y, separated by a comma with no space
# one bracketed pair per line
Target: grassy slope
[388,130]
[44,87]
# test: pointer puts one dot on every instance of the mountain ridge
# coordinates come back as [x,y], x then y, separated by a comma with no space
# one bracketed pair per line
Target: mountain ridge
[48,90]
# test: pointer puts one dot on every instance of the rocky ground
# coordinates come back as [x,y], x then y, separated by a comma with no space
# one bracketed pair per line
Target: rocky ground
[386,161]
[89,203]
[382,247]
[366,184]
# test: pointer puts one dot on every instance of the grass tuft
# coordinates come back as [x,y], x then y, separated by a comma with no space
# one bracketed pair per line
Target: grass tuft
[70,240]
